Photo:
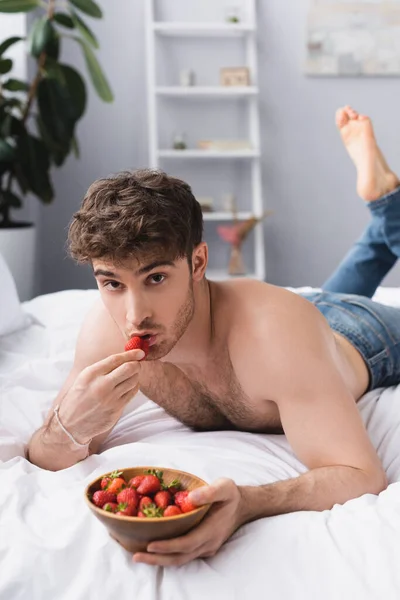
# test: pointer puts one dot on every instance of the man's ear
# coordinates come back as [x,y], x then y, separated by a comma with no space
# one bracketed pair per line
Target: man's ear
[199,261]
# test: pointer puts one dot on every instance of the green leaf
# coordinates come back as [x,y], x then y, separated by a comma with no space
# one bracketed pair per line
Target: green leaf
[76,89]
[84,30]
[5,125]
[35,164]
[5,65]
[58,151]
[55,110]
[64,20]
[15,6]
[16,85]
[52,68]
[7,152]
[11,199]
[89,7]
[21,179]
[98,78]
[9,42]
[43,38]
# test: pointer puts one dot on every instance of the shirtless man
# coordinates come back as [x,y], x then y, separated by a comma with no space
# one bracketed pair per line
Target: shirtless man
[240,354]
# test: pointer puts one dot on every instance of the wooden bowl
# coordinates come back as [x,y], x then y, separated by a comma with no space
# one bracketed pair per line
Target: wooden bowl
[135,533]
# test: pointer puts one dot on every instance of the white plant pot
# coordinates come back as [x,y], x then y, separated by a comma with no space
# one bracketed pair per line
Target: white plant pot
[18,248]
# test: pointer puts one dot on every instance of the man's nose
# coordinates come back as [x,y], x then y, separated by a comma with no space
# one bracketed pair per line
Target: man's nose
[137,310]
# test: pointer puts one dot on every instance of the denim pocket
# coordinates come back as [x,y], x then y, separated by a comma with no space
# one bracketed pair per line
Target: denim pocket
[379,313]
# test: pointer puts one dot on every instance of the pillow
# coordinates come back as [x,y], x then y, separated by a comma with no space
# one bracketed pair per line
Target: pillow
[12,317]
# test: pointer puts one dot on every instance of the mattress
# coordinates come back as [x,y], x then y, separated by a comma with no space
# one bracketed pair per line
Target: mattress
[51,546]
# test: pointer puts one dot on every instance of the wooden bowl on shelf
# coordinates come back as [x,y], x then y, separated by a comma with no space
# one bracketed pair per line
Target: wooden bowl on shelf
[135,533]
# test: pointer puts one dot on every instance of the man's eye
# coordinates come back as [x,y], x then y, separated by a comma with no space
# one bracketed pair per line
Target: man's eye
[112,285]
[157,278]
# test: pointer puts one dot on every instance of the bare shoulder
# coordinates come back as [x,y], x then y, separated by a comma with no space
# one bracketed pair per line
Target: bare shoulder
[271,331]
[253,305]
[98,337]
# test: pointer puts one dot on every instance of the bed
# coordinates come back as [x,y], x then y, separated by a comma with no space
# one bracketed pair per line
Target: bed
[51,547]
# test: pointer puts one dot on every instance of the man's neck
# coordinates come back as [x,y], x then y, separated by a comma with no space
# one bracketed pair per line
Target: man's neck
[195,344]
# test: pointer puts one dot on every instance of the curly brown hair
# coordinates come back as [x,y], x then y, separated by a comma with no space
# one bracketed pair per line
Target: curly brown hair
[136,214]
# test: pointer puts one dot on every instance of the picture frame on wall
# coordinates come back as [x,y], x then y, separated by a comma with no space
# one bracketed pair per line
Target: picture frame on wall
[235,76]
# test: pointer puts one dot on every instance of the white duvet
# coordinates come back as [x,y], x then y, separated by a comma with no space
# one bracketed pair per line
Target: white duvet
[51,547]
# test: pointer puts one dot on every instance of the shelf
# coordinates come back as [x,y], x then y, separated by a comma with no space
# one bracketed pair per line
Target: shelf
[221,275]
[206,92]
[187,154]
[202,29]
[225,216]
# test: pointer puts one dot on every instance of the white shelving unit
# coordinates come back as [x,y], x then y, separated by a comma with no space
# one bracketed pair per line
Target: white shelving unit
[245,31]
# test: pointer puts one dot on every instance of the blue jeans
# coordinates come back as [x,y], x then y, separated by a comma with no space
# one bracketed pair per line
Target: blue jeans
[372,328]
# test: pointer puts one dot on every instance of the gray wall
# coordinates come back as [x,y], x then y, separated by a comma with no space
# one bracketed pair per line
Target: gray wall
[308,179]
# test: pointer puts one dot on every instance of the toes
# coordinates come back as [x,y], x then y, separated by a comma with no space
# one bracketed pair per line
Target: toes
[352,114]
[341,117]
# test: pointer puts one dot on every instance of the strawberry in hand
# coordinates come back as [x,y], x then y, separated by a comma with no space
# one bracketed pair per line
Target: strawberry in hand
[138,343]
[183,502]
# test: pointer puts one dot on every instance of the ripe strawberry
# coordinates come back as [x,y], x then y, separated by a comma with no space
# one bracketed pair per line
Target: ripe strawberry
[182,500]
[127,510]
[110,507]
[116,485]
[104,482]
[138,343]
[107,479]
[141,515]
[162,499]
[128,495]
[172,510]
[102,497]
[174,486]
[136,481]
[149,485]
[144,501]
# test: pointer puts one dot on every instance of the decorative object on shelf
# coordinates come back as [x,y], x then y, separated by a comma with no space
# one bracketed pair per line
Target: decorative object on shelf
[179,142]
[224,145]
[235,76]
[206,203]
[228,203]
[232,14]
[187,78]
[235,235]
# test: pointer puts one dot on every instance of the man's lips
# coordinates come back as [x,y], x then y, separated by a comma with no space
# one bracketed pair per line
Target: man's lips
[149,337]
[152,340]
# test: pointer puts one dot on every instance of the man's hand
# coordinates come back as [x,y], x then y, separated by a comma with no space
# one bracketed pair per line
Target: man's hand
[96,399]
[221,521]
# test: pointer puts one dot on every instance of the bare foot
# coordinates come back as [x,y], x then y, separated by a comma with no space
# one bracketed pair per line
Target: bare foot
[374,177]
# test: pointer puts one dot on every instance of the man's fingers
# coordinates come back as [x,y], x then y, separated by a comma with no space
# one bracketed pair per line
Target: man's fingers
[164,560]
[127,386]
[122,373]
[125,398]
[109,364]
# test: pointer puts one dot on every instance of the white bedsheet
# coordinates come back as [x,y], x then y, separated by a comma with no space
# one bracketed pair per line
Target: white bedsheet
[51,547]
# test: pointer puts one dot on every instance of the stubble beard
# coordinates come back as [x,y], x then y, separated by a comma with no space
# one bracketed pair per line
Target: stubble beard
[183,318]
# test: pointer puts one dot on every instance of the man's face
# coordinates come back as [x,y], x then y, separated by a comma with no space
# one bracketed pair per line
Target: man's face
[151,298]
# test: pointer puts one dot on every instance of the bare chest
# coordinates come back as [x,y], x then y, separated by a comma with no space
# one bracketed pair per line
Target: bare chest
[218,385]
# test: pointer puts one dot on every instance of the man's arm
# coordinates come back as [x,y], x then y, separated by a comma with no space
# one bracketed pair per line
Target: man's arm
[49,447]
[319,416]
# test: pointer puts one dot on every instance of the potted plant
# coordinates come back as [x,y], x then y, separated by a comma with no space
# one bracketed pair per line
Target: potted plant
[38,118]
